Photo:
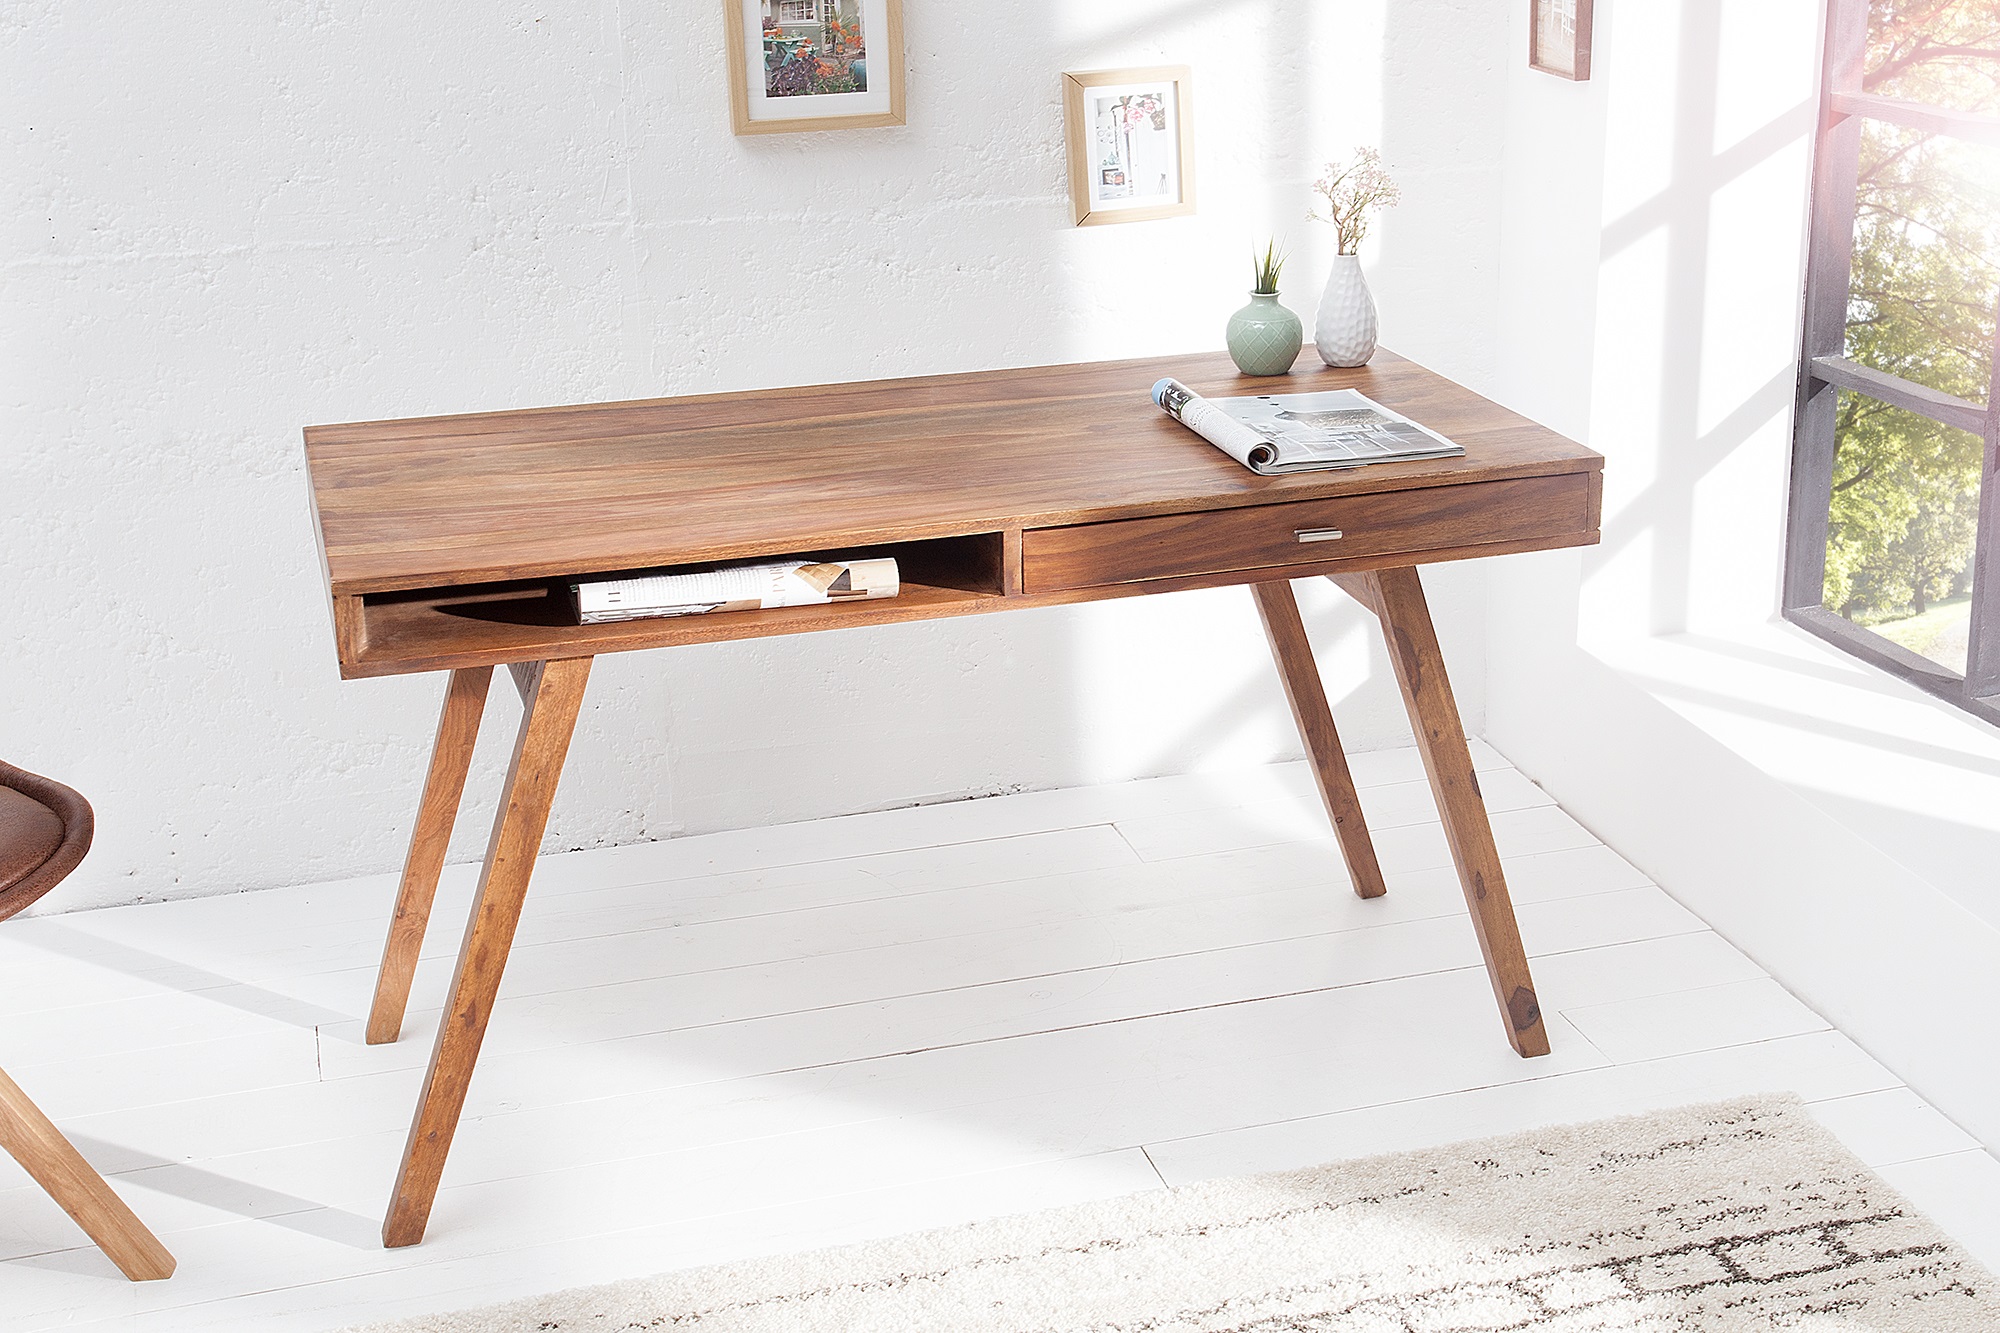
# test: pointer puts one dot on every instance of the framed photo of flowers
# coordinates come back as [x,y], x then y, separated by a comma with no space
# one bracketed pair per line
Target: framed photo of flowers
[1131,143]
[814,64]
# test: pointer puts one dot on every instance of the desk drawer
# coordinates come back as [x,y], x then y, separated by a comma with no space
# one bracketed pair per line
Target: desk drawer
[1443,519]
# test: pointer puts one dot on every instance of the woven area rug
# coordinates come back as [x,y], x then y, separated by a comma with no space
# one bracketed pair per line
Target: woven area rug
[1736,1216]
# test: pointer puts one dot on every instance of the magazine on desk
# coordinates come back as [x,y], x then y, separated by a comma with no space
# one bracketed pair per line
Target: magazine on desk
[746,587]
[1273,434]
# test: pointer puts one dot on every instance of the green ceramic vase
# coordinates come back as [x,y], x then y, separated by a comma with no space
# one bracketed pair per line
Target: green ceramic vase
[1264,337]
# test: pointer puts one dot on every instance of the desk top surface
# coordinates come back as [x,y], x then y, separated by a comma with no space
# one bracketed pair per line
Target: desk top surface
[547,492]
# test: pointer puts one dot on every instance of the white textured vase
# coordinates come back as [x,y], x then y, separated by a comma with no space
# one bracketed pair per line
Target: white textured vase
[1344,332]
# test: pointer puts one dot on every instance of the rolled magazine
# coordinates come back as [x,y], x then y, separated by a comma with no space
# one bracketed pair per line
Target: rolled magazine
[748,587]
[1272,434]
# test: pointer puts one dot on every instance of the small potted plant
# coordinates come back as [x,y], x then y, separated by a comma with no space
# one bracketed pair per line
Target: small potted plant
[1344,331]
[1264,337]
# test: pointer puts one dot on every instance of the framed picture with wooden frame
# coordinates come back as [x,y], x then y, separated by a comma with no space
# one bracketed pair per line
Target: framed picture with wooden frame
[1131,143]
[1559,38]
[814,64]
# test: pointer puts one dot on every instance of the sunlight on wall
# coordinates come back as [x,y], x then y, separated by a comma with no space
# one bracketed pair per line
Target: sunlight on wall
[1631,327]
[1810,809]
[1270,105]
[1706,159]
[1162,700]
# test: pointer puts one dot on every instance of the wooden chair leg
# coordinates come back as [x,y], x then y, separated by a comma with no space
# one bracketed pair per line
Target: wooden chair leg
[1300,673]
[451,757]
[547,723]
[34,1142]
[1397,597]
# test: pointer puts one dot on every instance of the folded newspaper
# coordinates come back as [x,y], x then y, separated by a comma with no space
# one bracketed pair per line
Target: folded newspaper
[1302,432]
[747,587]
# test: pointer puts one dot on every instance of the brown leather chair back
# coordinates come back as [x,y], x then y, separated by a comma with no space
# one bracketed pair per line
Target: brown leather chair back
[45,829]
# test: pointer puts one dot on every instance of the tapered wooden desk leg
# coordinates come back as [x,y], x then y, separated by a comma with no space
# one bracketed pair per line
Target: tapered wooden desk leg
[546,726]
[34,1142]
[1300,673]
[1397,598]
[451,756]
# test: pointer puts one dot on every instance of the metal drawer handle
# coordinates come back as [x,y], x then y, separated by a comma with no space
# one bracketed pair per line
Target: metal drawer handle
[1316,534]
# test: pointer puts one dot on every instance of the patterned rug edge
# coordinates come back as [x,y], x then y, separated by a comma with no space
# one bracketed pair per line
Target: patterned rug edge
[1085,1236]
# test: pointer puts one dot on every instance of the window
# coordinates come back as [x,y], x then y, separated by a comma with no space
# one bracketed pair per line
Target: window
[1893,543]
[798,11]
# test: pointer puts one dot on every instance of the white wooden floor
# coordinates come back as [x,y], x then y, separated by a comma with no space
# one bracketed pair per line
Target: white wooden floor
[784,1038]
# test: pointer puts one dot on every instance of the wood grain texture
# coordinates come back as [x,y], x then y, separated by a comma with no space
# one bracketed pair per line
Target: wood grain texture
[1011,563]
[426,635]
[1306,693]
[350,627]
[437,811]
[526,675]
[1397,596]
[31,1139]
[550,492]
[452,538]
[547,723]
[1266,536]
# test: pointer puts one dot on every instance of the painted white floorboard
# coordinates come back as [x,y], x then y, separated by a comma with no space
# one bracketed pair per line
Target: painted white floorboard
[1892,1126]
[1961,1192]
[771,1039]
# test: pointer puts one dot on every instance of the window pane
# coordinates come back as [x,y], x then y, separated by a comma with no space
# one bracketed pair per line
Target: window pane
[1926,222]
[1936,51]
[1900,528]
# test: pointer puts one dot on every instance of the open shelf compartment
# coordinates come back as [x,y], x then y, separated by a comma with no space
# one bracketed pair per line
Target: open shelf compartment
[533,619]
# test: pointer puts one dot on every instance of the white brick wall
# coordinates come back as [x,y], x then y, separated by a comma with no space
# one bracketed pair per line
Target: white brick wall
[223,222]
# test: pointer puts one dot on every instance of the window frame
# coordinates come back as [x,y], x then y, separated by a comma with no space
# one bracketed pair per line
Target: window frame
[1824,371]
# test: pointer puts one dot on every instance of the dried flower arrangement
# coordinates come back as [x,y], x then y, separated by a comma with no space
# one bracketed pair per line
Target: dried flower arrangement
[1350,193]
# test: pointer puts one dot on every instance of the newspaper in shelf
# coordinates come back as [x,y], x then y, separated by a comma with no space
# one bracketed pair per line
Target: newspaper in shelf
[1302,432]
[733,588]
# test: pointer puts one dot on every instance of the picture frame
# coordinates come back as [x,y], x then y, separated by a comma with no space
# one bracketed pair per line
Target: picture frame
[1130,137]
[794,65]
[1559,38]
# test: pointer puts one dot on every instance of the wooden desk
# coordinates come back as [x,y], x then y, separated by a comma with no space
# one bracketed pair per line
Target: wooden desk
[446,539]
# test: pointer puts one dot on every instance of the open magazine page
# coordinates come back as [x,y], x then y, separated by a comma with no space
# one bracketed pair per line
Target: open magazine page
[1338,428]
[1302,432]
